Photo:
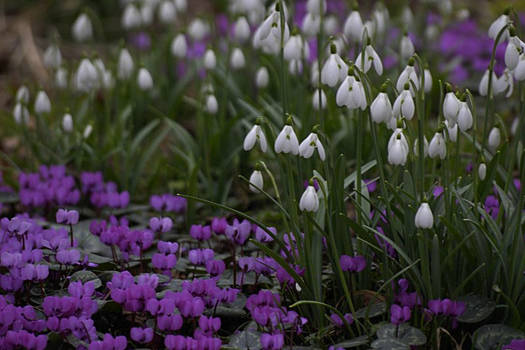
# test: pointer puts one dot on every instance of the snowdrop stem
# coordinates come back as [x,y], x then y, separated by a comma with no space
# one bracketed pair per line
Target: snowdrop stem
[474,133]
[319,60]
[420,112]
[359,151]
[281,59]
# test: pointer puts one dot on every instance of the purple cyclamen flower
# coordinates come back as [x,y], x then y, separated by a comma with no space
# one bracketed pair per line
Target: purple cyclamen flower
[352,264]
[167,247]
[218,225]
[516,344]
[272,341]
[164,262]
[160,224]
[200,256]
[263,236]
[338,321]
[399,314]
[109,343]
[238,232]
[437,191]
[68,217]
[200,233]
[68,257]
[215,267]
[209,324]
[371,185]
[141,335]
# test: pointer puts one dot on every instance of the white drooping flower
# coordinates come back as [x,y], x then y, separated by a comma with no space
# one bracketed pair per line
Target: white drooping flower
[309,200]
[381,108]
[179,46]
[353,28]
[22,94]
[512,52]
[212,106]
[428,81]
[380,17]
[61,78]
[397,148]
[408,75]
[497,26]
[256,181]
[241,30]
[255,135]
[67,123]
[371,57]
[167,11]
[268,35]
[451,106]
[484,83]
[519,71]
[144,80]
[424,218]
[505,83]
[86,78]
[465,119]
[147,12]
[315,72]
[311,24]
[295,67]
[425,147]
[286,141]
[82,28]
[125,65]
[351,93]
[331,25]
[131,17]
[316,7]
[334,70]
[514,126]
[494,138]
[262,78]
[309,145]
[482,171]
[404,105]
[237,60]
[210,60]
[87,131]
[296,48]
[315,99]
[452,131]
[198,29]
[406,47]
[21,114]
[42,103]
[437,146]
[52,57]
[181,5]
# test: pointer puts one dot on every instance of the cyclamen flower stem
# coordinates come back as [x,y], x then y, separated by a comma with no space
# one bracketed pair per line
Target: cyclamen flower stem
[71,234]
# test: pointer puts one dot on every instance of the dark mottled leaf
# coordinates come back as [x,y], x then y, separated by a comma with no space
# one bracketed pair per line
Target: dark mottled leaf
[247,339]
[352,343]
[371,310]
[494,336]
[86,276]
[389,344]
[404,333]
[476,308]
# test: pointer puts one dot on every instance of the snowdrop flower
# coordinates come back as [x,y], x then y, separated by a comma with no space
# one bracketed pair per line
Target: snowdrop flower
[211,104]
[451,106]
[86,78]
[67,123]
[309,200]
[452,131]
[262,78]
[179,47]
[353,28]
[397,148]
[371,56]
[131,17]
[381,108]
[334,69]
[241,30]
[484,83]
[317,7]
[21,114]
[52,57]
[144,80]
[497,26]
[255,135]
[464,117]
[296,48]
[425,147]
[256,181]
[519,71]
[437,147]
[424,218]
[268,35]
[42,103]
[309,145]
[406,47]
[61,78]
[331,25]
[404,105]
[210,61]
[295,67]
[167,11]
[87,131]
[512,52]
[311,24]
[482,171]
[408,75]
[22,94]
[494,138]
[237,60]
[514,126]
[82,28]
[198,29]
[315,99]
[407,17]
[351,93]
[505,83]
[181,5]
[428,81]
[125,65]
[146,13]
[286,141]
[380,16]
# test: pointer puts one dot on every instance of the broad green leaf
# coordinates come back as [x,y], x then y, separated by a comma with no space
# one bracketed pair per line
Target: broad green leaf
[494,336]
[477,308]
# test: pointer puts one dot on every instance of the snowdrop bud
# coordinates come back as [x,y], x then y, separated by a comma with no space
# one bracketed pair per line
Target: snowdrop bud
[428,81]
[42,103]
[397,148]
[317,7]
[210,61]
[286,141]
[452,131]
[334,70]
[21,114]
[519,71]
[494,138]
[512,52]
[198,29]
[497,26]
[353,28]
[424,218]
[381,108]
[82,28]
[179,47]
[406,47]
[404,105]
[309,200]
[309,145]
[315,99]
[52,57]
[331,25]
[262,78]
[255,135]
[146,13]
[464,117]
[86,78]
[241,30]
[451,106]
[311,24]
[87,131]
[181,5]
[482,171]
[61,78]
[131,18]
[237,60]
[125,65]
[22,94]
[437,147]
[67,123]
[144,79]
[167,11]
[505,83]
[211,104]
[256,181]
[293,48]
[425,147]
